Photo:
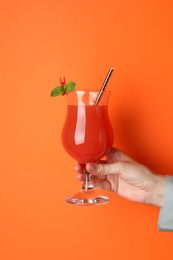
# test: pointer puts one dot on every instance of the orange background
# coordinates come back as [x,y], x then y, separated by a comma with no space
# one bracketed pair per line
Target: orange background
[40,42]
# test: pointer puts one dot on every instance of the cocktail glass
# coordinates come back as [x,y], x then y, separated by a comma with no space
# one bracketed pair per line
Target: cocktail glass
[87,136]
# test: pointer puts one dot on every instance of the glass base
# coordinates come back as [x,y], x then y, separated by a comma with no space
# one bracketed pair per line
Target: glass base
[87,198]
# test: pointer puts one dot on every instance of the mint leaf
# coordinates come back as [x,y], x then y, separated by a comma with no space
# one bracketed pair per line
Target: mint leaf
[57,91]
[70,86]
[61,90]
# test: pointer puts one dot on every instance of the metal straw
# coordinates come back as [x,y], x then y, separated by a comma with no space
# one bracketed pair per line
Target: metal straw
[103,86]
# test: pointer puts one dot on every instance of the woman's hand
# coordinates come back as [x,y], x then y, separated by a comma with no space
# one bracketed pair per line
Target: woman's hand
[126,177]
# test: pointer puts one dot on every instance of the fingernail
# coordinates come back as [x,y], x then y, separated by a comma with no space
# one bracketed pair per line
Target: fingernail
[77,168]
[91,167]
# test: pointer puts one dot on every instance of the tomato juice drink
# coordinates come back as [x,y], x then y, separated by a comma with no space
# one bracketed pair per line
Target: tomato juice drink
[87,133]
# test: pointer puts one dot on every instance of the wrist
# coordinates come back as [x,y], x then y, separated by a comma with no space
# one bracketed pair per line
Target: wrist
[156,197]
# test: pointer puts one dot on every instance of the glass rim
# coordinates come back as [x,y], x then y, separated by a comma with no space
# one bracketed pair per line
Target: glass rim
[87,90]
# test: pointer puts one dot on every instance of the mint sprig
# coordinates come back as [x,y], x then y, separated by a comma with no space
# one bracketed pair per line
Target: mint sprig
[63,89]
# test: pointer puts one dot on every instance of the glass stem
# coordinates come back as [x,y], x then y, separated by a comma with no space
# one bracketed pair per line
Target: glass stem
[87,183]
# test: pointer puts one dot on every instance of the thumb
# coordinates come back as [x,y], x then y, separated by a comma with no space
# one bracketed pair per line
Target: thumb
[104,169]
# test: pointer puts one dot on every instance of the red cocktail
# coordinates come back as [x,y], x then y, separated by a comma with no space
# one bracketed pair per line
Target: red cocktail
[87,136]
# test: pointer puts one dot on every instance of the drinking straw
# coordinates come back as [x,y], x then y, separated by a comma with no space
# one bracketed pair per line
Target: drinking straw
[103,86]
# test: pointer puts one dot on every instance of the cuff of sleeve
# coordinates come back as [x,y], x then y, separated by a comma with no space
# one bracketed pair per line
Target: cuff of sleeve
[165,222]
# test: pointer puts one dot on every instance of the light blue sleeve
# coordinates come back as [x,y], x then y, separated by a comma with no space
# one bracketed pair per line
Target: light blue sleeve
[165,222]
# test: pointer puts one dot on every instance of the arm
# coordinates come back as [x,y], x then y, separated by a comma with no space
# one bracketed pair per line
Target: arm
[165,222]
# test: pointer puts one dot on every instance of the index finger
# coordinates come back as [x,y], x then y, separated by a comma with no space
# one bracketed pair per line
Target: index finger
[116,155]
